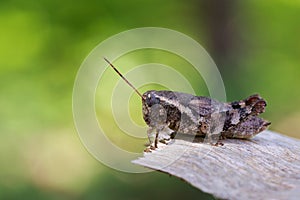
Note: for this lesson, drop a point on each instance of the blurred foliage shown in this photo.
(44, 42)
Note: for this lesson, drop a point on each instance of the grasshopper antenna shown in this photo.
(123, 78)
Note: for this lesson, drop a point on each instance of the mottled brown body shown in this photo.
(166, 112)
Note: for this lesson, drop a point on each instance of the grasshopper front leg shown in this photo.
(156, 138)
(150, 133)
(157, 134)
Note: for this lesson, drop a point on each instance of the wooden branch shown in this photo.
(265, 167)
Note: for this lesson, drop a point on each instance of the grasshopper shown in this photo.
(167, 113)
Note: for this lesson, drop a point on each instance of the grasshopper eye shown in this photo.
(151, 100)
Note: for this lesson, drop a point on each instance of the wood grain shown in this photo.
(265, 167)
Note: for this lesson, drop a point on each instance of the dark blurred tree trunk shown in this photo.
(218, 17)
(221, 24)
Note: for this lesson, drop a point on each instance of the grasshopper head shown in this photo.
(153, 111)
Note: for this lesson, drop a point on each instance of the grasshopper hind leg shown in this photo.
(248, 128)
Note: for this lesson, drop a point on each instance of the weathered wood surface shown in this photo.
(265, 167)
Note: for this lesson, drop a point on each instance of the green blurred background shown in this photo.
(254, 43)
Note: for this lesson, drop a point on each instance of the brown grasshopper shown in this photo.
(168, 112)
